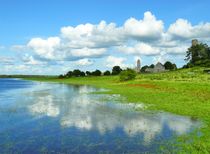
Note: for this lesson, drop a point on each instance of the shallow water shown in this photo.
(56, 118)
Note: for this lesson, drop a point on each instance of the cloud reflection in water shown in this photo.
(75, 107)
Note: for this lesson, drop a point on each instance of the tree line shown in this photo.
(116, 70)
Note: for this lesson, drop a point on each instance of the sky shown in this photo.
(51, 37)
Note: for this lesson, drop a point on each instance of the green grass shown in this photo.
(183, 92)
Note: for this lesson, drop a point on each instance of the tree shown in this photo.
(198, 55)
(88, 73)
(82, 74)
(144, 68)
(76, 73)
(96, 73)
(128, 74)
(116, 70)
(61, 76)
(152, 66)
(69, 74)
(169, 66)
(175, 67)
(107, 73)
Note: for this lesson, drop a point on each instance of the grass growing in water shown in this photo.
(183, 92)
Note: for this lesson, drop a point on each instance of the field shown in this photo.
(183, 92)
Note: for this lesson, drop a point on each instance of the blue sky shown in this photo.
(51, 37)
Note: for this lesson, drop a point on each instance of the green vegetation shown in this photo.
(116, 70)
(169, 66)
(128, 74)
(78, 73)
(198, 55)
(183, 92)
(107, 73)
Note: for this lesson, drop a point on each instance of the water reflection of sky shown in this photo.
(73, 108)
(77, 108)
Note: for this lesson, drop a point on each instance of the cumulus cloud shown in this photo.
(136, 37)
(149, 28)
(116, 61)
(30, 60)
(177, 50)
(162, 58)
(87, 52)
(46, 48)
(185, 30)
(92, 36)
(139, 49)
(84, 62)
(89, 40)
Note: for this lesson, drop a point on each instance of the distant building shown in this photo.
(138, 66)
(157, 68)
(194, 42)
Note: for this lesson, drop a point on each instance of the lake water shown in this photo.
(56, 118)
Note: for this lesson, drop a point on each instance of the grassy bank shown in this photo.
(183, 92)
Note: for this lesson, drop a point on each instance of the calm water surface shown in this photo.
(56, 118)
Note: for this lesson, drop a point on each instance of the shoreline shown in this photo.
(188, 97)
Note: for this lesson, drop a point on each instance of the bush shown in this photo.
(69, 74)
(169, 66)
(76, 73)
(61, 76)
(82, 74)
(88, 73)
(144, 68)
(96, 73)
(107, 73)
(116, 70)
(128, 74)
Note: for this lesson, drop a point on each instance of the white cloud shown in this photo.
(84, 62)
(181, 28)
(162, 58)
(29, 69)
(92, 36)
(184, 29)
(177, 50)
(147, 29)
(136, 37)
(7, 60)
(46, 48)
(89, 40)
(116, 61)
(139, 49)
(30, 60)
(87, 52)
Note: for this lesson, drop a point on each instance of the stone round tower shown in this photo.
(194, 42)
(138, 66)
